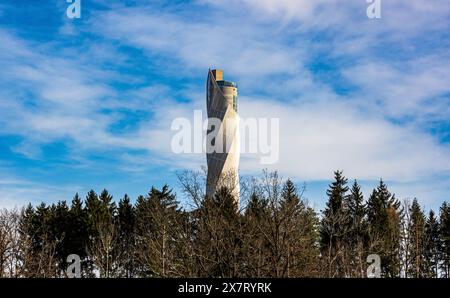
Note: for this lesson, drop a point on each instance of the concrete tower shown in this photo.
(223, 133)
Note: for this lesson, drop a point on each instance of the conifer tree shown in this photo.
(219, 241)
(299, 234)
(357, 231)
(93, 206)
(39, 255)
(254, 241)
(432, 244)
(334, 227)
(103, 232)
(384, 216)
(126, 237)
(416, 236)
(445, 239)
(78, 234)
(256, 206)
(157, 233)
(60, 226)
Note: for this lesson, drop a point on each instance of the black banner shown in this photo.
(223, 287)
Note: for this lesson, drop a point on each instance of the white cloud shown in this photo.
(57, 97)
(243, 49)
(319, 137)
(405, 89)
(397, 15)
(17, 193)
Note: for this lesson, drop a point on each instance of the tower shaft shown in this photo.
(223, 134)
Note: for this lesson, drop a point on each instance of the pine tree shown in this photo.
(290, 232)
(384, 217)
(334, 227)
(445, 239)
(157, 233)
(126, 237)
(311, 243)
(93, 206)
(254, 241)
(256, 207)
(357, 230)
(78, 233)
(60, 226)
(103, 232)
(432, 244)
(40, 252)
(416, 233)
(220, 240)
(298, 233)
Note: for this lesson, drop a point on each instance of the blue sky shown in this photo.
(87, 103)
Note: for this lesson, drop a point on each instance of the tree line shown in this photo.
(274, 232)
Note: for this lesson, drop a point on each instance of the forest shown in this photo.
(273, 232)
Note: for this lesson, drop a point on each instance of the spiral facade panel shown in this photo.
(223, 124)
